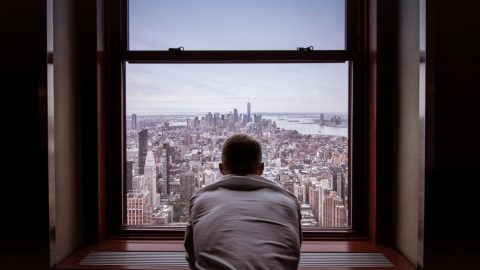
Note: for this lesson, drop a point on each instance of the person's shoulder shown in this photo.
(244, 183)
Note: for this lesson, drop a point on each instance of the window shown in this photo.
(192, 73)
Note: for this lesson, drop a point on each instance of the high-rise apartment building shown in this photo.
(334, 214)
(139, 210)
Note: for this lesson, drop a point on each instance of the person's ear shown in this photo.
(260, 168)
(222, 169)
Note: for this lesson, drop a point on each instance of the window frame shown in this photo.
(118, 54)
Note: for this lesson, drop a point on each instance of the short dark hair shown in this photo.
(241, 154)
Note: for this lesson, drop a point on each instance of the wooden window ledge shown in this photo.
(343, 250)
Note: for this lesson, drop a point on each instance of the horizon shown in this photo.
(245, 25)
(180, 113)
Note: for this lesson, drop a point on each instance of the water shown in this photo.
(305, 125)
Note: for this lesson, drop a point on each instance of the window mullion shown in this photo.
(238, 56)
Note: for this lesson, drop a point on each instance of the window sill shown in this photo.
(73, 261)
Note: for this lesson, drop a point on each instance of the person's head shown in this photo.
(241, 155)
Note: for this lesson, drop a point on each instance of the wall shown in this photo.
(453, 135)
(66, 107)
(407, 155)
(24, 178)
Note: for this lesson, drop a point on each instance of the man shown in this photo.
(243, 221)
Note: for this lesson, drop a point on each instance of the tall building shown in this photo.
(138, 183)
(151, 178)
(257, 118)
(187, 186)
(142, 149)
(165, 161)
(340, 185)
(322, 119)
(248, 111)
(134, 121)
(129, 175)
(235, 115)
(139, 210)
(132, 155)
(340, 216)
(334, 214)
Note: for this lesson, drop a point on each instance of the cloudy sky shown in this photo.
(236, 25)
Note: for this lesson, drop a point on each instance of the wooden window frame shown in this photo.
(112, 111)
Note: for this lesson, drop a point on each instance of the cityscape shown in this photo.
(171, 156)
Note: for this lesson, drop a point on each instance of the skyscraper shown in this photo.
(248, 112)
(134, 121)
(142, 149)
(151, 178)
(187, 186)
(334, 214)
(129, 175)
(165, 160)
(235, 115)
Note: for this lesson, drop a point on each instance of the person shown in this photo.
(243, 221)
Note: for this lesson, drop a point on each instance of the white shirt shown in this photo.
(243, 222)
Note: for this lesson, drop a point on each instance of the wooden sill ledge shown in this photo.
(72, 262)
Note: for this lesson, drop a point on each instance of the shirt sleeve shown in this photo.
(300, 223)
(188, 243)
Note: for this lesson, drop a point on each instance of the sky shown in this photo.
(236, 25)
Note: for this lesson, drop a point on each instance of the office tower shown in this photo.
(333, 214)
(257, 118)
(209, 118)
(187, 186)
(235, 115)
(151, 178)
(165, 161)
(340, 216)
(129, 174)
(322, 119)
(340, 186)
(138, 183)
(248, 111)
(142, 149)
(321, 191)
(134, 121)
(132, 155)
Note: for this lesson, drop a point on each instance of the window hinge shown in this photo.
(179, 49)
(304, 49)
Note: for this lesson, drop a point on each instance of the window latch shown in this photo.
(179, 49)
(305, 49)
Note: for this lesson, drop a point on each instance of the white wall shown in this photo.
(406, 185)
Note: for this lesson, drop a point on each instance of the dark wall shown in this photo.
(24, 174)
(452, 135)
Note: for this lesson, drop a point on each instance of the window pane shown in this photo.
(179, 115)
(236, 25)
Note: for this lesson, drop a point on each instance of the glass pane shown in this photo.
(179, 115)
(236, 25)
